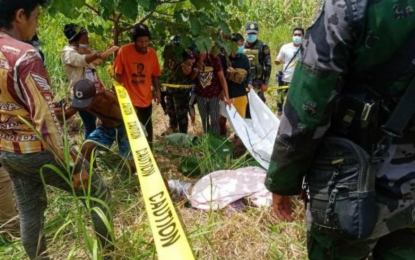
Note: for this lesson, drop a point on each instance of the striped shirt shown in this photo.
(25, 92)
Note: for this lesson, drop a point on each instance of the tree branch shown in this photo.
(96, 11)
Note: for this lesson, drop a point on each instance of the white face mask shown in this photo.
(83, 46)
(297, 39)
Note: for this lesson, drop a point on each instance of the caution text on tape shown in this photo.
(169, 236)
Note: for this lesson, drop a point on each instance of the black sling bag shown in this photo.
(341, 179)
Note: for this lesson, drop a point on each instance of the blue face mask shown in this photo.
(240, 50)
(297, 39)
(252, 38)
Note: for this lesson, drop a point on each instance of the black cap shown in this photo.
(71, 31)
(83, 93)
(236, 37)
(252, 27)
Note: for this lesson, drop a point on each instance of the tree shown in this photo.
(198, 21)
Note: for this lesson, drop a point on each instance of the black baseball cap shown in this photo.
(83, 93)
(72, 31)
(252, 27)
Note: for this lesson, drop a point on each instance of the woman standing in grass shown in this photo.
(210, 84)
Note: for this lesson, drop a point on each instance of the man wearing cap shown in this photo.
(259, 56)
(27, 151)
(77, 66)
(104, 105)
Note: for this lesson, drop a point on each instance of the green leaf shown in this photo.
(146, 4)
(67, 7)
(195, 25)
(224, 27)
(220, 146)
(129, 8)
(199, 4)
(236, 24)
(203, 43)
(181, 140)
(190, 167)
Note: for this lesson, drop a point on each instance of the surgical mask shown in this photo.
(83, 46)
(297, 39)
(240, 50)
(252, 38)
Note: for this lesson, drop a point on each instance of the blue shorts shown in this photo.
(107, 136)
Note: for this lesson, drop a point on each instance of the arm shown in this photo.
(37, 95)
(155, 80)
(280, 57)
(308, 108)
(196, 69)
(73, 58)
(224, 86)
(267, 66)
(249, 75)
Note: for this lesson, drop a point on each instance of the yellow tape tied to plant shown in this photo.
(169, 237)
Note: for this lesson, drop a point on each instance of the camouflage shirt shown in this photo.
(346, 36)
(172, 69)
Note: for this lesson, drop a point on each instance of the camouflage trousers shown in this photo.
(398, 245)
(177, 108)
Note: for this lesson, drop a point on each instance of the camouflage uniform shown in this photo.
(348, 36)
(177, 99)
(262, 72)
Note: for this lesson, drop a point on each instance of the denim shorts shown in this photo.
(107, 136)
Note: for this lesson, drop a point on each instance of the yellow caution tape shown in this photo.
(169, 237)
(277, 88)
(166, 85)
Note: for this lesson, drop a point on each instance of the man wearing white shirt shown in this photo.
(288, 57)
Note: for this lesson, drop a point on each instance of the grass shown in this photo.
(254, 234)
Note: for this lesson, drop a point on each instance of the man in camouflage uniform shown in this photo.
(178, 85)
(259, 56)
(347, 36)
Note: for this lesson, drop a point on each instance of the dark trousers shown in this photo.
(398, 245)
(89, 121)
(177, 108)
(144, 116)
(26, 175)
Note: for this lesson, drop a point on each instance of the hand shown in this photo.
(264, 88)
(227, 101)
(99, 55)
(187, 69)
(250, 86)
(80, 180)
(282, 207)
(59, 113)
(157, 99)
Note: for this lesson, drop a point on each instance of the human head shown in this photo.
(140, 36)
(237, 43)
(83, 93)
(75, 34)
(251, 31)
(298, 34)
(21, 16)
